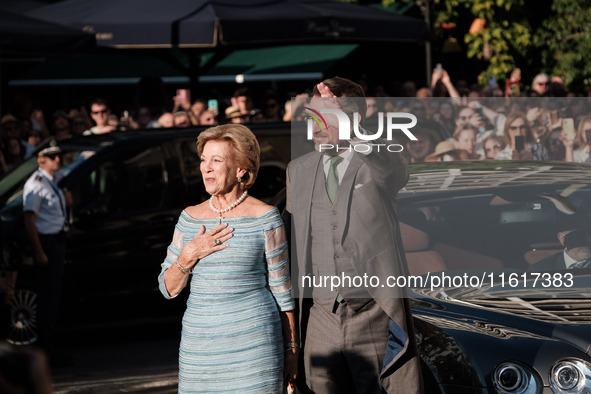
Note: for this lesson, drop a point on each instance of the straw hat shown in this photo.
(233, 112)
(8, 118)
(441, 148)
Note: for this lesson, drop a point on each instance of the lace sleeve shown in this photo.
(277, 256)
(172, 253)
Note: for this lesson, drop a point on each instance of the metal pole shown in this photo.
(424, 5)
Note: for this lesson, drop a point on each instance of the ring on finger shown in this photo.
(217, 242)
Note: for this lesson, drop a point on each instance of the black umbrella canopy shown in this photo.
(22, 35)
(209, 23)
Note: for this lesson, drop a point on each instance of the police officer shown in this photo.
(44, 206)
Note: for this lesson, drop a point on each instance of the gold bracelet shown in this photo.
(183, 270)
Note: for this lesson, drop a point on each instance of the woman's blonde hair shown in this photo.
(245, 150)
(462, 127)
(581, 132)
(512, 117)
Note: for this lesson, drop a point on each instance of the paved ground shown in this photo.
(126, 363)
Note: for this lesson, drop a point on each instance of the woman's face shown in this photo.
(467, 140)
(491, 148)
(517, 127)
(218, 168)
(14, 147)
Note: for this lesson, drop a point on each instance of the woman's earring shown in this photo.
(239, 179)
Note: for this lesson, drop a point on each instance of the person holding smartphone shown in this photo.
(582, 141)
(520, 140)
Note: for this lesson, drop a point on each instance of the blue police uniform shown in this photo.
(43, 197)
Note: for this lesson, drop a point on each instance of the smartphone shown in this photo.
(492, 81)
(213, 103)
(438, 68)
(568, 129)
(519, 143)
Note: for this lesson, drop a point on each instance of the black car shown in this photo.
(504, 321)
(488, 316)
(128, 190)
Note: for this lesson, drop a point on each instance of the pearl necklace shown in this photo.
(229, 207)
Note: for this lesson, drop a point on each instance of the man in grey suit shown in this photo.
(356, 339)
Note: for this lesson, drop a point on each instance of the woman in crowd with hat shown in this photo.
(233, 115)
(446, 151)
(239, 329)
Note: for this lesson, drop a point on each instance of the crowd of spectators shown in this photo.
(457, 121)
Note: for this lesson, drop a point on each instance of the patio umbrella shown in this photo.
(210, 23)
(23, 35)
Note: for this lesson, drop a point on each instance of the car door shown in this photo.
(120, 230)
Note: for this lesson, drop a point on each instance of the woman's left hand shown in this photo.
(290, 368)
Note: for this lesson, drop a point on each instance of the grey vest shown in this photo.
(328, 256)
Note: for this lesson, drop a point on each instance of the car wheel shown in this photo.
(23, 318)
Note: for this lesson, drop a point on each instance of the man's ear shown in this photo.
(561, 236)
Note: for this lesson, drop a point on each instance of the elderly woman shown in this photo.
(520, 140)
(239, 330)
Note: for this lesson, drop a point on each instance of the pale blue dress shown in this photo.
(232, 337)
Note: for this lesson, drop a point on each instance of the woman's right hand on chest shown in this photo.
(206, 243)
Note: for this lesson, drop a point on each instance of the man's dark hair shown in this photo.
(99, 101)
(342, 87)
(243, 91)
(577, 239)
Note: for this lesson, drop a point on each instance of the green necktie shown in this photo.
(332, 179)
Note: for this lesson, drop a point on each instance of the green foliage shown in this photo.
(505, 36)
(565, 38)
(561, 45)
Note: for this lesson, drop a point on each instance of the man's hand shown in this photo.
(324, 90)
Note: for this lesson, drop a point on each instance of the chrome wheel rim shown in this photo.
(23, 318)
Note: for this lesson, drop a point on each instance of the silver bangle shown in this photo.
(291, 345)
(183, 270)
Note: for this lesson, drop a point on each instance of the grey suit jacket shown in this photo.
(368, 238)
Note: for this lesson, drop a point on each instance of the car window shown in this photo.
(11, 187)
(190, 163)
(503, 228)
(135, 181)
